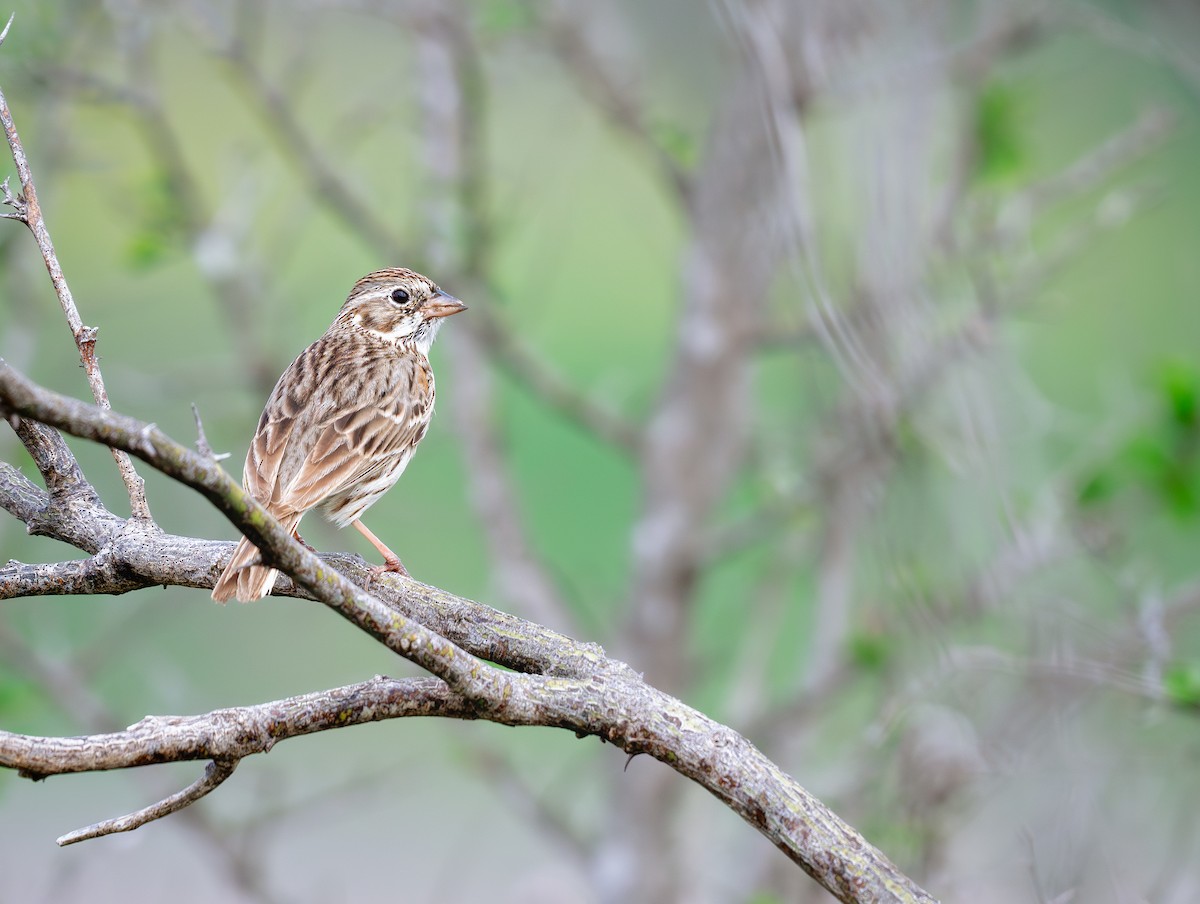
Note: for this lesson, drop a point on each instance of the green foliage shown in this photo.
(1182, 684)
(870, 650)
(1181, 386)
(1161, 459)
(1098, 487)
(998, 139)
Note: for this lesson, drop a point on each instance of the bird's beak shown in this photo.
(443, 305)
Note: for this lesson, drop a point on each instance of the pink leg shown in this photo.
(391, 561)
(302, 541)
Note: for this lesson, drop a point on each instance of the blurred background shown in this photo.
(833, 362)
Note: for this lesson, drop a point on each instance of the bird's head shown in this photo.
(400, 306)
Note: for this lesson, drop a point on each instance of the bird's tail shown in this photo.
(243, 580)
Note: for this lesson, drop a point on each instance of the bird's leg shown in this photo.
(303, 542)
(391, 561)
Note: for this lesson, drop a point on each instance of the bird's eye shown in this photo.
(400, 296)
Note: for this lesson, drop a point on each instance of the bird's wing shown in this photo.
(325, 430)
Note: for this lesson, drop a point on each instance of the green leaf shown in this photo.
(1182, 684)
(870, 650)
(997, 135)
(1147, 454)
(1098, 488)
(1181, 387)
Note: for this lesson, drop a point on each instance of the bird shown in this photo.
(344, 419)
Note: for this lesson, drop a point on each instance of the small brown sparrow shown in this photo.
(345, 418)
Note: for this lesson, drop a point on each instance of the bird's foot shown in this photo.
(390, 564)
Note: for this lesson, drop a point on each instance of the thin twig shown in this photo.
(214, 774)
(1132, 143)
(327, 184)
(599, 82)
(450, 88)
(28, 211)
(512, 786)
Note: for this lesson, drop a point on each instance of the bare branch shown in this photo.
(53, 458)
(1132, 143)
(77, 576)
(18, 495)
(606, 699)
(847, 865)
(230, 734)
(550, 387)
(526, 801)
(279, 548)
(29, 212)
(450, 89)
(214, 774)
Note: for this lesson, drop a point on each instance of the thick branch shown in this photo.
(413, 641)
(230, 734)
(602, 697)
(620, 709)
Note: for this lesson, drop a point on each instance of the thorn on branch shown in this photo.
(146, 438)
(17, 202)
(202, 445)
(4, 34)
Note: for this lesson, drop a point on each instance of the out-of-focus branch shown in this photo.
(328, 185)
(539, 812)
(1113, 31)
(451, 93)
(696, 437)
(601, 83)
(552, 388)
(1127, 146)
(519, 574)
(332, 190)
(27, 210)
